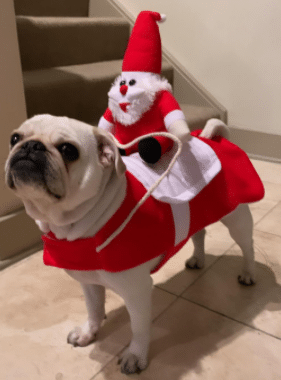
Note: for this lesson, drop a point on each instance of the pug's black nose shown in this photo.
(33, 146)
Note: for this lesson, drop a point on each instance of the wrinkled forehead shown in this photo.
(57, 129)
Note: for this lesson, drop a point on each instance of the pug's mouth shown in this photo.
(27, 171)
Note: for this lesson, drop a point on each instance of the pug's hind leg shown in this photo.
(197, 260)
(95, 299)
(240, 225)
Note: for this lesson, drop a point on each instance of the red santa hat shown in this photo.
(144, 51)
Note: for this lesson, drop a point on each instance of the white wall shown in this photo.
(233, 48)
(12, 103)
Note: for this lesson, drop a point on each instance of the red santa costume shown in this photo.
(218, 176)
(140, 102)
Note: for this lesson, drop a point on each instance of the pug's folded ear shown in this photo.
(108, 152)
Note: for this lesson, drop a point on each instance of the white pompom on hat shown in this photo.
(144, 51)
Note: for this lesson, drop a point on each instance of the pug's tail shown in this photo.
(215, 127)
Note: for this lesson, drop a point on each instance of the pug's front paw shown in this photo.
(131, 363)
(195, 263)
(82, 336)
(246, 279)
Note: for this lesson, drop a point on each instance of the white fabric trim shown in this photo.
(176, 178)
(196, 166)
(105, 125)
(173, 116)
(152, 187)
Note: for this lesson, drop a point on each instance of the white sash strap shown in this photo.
(151, 189)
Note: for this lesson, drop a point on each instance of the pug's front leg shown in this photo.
(95, 299)
(138, 302)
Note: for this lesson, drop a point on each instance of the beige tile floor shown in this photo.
(205, 325)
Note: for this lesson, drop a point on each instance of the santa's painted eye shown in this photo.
(122, 82)
(132, 82)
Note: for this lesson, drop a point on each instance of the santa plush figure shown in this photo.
(140, 100)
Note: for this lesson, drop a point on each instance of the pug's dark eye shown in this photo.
(122, 82)
(132, 82)
(68, 152)
(15, 138)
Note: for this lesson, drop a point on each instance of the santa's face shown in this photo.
(133, 93)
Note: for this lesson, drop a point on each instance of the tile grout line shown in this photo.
(195, 303)
(205, 271)
(165, 290)
(168, 307)
(180, 296)
(232, 246)
(152, 321)
(268, 212)
(196, 279)
(209, 267)
(228, 249)
(232, 319)
(164, 311)
(109, 362)
(266, 232)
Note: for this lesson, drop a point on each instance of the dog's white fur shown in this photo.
(91, 189)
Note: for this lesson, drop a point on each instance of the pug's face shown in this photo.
(59, 161)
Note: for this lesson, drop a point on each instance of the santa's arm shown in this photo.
(106, 122)
(180, 129)
(174, 118)
(176, 124)
(151, 154)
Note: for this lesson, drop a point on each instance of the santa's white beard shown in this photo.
(135, 111)
(141, 97)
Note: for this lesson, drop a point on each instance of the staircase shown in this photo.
(70, 60)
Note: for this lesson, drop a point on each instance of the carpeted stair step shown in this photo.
(47, 42)
(78, 91)
(70, 8)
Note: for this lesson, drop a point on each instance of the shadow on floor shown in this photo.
(232, 301)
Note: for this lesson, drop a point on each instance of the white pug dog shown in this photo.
(72, 180)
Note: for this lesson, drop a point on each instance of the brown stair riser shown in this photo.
(70, 8)
(52, 42)
(61, 93)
